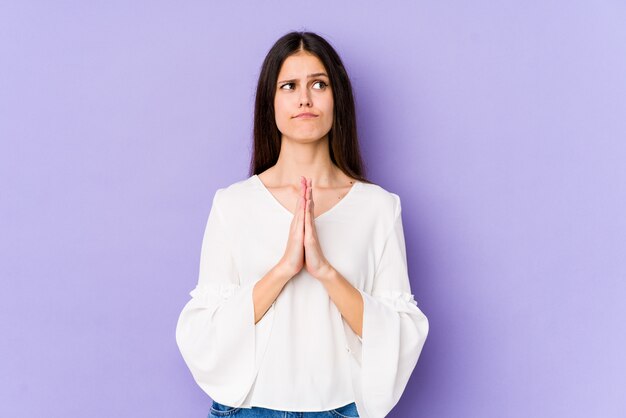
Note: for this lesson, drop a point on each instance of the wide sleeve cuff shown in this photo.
(393, 334)
(220, 342)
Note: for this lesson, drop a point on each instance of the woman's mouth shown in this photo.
(306, 116)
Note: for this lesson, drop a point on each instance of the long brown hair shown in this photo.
(343, 142)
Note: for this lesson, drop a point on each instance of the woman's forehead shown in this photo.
(299, 65)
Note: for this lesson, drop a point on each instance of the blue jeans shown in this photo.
(219, 410)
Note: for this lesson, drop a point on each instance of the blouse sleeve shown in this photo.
(215, 332)
(393, 333)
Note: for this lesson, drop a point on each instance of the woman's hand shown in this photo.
(293, 259)
(315, 262)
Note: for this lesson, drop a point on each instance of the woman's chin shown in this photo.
(306, 137)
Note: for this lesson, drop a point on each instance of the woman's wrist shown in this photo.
(326, 272)
(284, 270)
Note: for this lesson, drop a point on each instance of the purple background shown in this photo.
(500, 124)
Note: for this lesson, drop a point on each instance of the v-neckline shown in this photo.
(287, 211)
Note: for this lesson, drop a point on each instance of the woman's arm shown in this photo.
(268, 288)
(346, 297)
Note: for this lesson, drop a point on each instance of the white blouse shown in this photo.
(302, 355)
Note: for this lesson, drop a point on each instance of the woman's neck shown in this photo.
(311, 160)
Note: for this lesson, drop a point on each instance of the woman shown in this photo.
(303, 305)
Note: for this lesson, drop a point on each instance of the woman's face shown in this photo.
(303, 86)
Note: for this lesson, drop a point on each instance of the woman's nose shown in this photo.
(305, 99)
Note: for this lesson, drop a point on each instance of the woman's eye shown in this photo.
(323, 85)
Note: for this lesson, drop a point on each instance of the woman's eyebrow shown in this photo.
(309, 76)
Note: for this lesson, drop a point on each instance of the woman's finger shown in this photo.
(301, 204)
(302, 186)
(308, 215)
(296, 222)
(310, 198)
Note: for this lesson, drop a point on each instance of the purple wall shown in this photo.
(501, 125)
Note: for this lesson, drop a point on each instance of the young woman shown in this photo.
(303, 305)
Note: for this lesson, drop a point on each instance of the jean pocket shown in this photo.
(221, 410)
(346, 411)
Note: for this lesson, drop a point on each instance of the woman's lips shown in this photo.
(306, 116)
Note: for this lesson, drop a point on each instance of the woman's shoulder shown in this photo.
(379, 198)
(236, 192)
